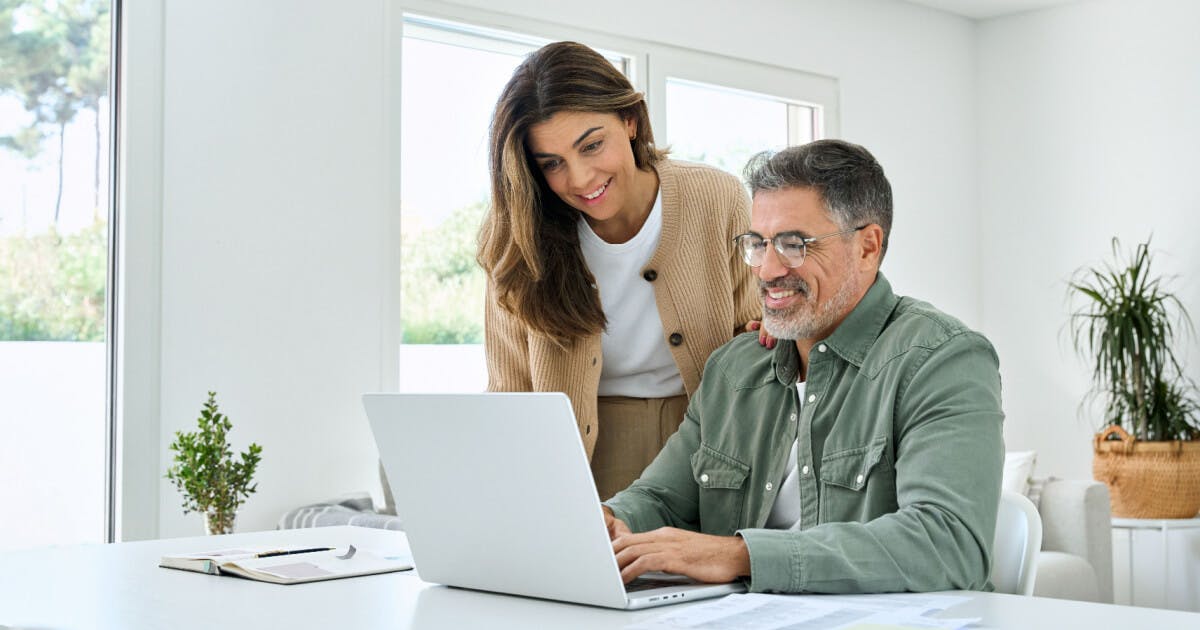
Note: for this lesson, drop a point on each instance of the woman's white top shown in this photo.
(785, 513)
(637, 361)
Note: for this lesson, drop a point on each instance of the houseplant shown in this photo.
(1149, 454)
(207, 475)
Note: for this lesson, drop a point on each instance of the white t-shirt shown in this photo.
(785, 513)
(637, 362)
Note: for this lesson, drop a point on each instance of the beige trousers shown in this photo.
(631, 433)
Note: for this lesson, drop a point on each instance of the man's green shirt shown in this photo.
(899, 452)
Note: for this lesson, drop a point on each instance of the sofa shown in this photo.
(1076, 560)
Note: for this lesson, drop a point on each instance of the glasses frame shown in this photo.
(805, 241)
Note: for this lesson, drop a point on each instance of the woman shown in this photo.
(611, 271)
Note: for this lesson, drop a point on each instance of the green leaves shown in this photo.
(52, 286)
(205, 472)
(441, 286)
(1127, 326)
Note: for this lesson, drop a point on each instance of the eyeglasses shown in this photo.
(791, 246)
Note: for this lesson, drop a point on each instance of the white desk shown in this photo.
(121, 586)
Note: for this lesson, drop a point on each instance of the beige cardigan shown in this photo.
(705, 295)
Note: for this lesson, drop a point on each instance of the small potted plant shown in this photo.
(1149, 452)
(207, 475)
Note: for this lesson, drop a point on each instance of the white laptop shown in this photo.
(496, 494)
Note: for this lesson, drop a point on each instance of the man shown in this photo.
(863, 456)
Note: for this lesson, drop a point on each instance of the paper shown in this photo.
(756, 611)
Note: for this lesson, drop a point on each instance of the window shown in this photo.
(54, 237)
(721, 111)
(444, 190)
(763, 122)
(706, 108)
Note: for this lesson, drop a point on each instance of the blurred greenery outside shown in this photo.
(52, 285)
(54, 61)
(441, 286)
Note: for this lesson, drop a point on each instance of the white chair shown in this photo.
(1017, 542)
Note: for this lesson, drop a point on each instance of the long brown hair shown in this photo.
(529, 245)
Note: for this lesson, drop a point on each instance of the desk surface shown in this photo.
(121, 586)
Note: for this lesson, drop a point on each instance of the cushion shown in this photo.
(1018, 469)
(1065, 576)
(356, 509)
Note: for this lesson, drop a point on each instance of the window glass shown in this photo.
(723, 127)
(54, 209)
(452, 75)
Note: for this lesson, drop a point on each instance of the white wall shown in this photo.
(274, 220)
(1088, 129)
(275, 188)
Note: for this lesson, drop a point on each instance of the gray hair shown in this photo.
(848, 178)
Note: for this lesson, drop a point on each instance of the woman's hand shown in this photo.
(764, 339)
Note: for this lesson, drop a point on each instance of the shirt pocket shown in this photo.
(721, 480)
(858, 484)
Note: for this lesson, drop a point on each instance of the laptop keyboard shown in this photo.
(645, 584)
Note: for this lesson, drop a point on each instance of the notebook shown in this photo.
(496, 494)
(286, 565)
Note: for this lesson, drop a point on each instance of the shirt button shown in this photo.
(676, 339)
(812, 397)
(650, 275)
(792, 418)
(769, 486)
(859, 479)
(704, 478)
(804, 471)
(821, 348)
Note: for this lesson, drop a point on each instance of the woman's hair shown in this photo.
(528, 244)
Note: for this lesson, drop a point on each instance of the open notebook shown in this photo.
(287, 565)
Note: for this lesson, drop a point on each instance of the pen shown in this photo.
(269, 554)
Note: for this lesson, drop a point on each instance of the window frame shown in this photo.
(650, 63)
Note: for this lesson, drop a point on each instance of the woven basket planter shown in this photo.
(1148, 479)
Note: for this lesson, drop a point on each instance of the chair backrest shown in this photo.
(1018, 539)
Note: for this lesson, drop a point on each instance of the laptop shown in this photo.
(496, 494)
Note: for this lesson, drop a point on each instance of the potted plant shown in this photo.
(207, 475)
(1149, 453)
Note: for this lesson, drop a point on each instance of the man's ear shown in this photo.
(871, 252)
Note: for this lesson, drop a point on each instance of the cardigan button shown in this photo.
(676, 339)
(650, 275)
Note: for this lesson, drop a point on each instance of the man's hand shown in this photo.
(701, 557)
(616, 527)
(764, 339)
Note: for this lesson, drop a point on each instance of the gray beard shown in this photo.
(804, 320)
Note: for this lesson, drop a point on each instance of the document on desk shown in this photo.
(757, 611)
